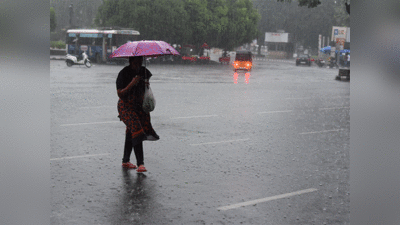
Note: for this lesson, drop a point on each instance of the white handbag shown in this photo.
(149, 102)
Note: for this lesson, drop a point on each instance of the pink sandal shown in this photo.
(129, 165)
(141, 169)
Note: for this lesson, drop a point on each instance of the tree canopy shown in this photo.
(53, 22)
(309, 3)
(220, 23)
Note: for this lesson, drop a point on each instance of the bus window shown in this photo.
(98, 41)
(70, 40)
(85, 41)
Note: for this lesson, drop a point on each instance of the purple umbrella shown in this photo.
(144, 48)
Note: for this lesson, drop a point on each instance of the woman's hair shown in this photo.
(134, 58)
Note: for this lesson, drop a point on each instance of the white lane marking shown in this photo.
(340, 97)
(190, 117)
(317, 98)
(334, 108)
(77, 124)
(169, 104)
(296, 98)
(80, 156)
(275, 111)
(219, 142)
(267, 199)
(103, 106)
(323, 131)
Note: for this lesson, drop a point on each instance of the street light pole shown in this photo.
(70, 15)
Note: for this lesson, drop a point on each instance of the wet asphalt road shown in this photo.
(279, 130)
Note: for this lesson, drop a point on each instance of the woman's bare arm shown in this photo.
(122, 93)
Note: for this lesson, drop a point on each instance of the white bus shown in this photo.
(98, 43)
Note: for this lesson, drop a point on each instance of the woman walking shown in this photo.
(131, 83)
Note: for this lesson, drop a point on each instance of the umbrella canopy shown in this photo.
(326, 49)
(345, 51)
(144, 48)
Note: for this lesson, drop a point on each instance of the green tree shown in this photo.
(309, 3)
(342, 17)
(242, 24)
(220, 23)
(53, 22)
(198, 21)
(217, 22)
(158, 19)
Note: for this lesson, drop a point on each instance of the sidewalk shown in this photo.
(57, 57)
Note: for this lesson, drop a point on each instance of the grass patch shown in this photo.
(57, 44)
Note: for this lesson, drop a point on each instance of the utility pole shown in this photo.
(319, 45)
(71, 13)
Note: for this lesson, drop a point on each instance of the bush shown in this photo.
(57, 44)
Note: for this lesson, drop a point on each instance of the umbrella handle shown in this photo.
(145, 70)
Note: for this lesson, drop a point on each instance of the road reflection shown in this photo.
(135, 201)
(246, 77)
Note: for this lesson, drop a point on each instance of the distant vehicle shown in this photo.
(320, 62)
(225, 59)
(243, 61)
(332, 62)
(343, 73)
(81, 59)
(98, 43)
(303, 59)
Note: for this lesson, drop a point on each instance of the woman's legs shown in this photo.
(128, 146)
(138, 148)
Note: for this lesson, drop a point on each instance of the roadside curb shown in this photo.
(57, 57)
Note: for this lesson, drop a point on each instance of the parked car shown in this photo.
(243, 61)
(303, 59)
